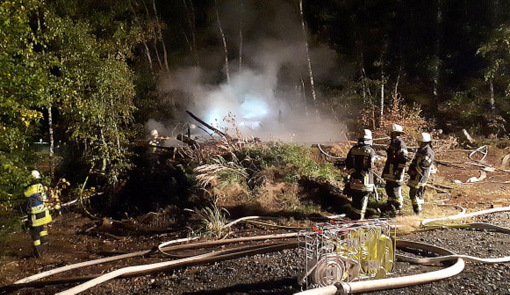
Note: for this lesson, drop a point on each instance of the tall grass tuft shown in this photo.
(213, 220)
(220, 171)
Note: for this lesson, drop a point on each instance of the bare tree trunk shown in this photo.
(383, 83)
(190, 46)
(225, 48)
(103, 167)
(157, 52)
(437, 59)
(52, 142)
(494, 22)
(303, 93)
(144, 42)
(160, 36)
(148, 54)
(307, 51)
(190, 15)
(492, 101)
(381, 115)
(155, 42)
(240, 35)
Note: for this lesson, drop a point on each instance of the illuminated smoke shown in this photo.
(265, 96)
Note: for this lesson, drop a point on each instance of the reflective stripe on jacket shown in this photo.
(37, 198)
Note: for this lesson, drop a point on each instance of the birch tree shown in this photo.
(223, 39)
(307, 52)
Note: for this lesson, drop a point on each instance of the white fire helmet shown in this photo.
(35, 174)
(154, 133)
(425, 137)
(397, 128)
(367, 134)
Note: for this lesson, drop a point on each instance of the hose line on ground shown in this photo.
(149, 268)
(391, 283)
(399, 282)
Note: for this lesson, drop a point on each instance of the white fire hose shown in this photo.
(423, 278)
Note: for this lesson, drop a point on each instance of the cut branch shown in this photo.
(208, 126)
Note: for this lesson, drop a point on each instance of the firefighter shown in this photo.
(360, 183)
(393, 171)
(419, 172)
(39, 214)
(155, 139)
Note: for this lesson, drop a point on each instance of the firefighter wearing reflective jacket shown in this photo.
(39, 215)
(359, 162)
(419, 172)
(393, 171)
(155, 140)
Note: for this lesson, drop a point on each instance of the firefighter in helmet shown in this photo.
(393, 172)
(155, 139)
(419, 172)
(39, 214)
(359, 163)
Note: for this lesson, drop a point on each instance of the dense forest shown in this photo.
(83, 80)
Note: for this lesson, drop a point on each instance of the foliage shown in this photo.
(72, 56)
(94, 88)
(22, 85)
(497, 52)
(292, 160)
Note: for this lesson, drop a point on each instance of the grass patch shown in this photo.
(292, 160)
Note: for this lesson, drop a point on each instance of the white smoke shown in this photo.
(265, 98)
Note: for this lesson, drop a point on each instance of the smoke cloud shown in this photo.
(265, 96)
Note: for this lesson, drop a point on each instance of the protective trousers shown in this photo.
(359, 203)
(39, 235)
(394, 192)
(417, 198)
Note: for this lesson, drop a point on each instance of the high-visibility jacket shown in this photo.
(37, 198)
(419, 170)
(359, 162)
(396, 161)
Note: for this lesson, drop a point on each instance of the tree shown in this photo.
(497, 52)
(94, 87)
(22, 91)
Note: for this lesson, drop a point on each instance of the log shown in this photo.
(437, 189)
(207, 125)
(187, 140)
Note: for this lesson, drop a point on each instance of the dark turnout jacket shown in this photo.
(359, 162)
(419, 170)
(396, 161)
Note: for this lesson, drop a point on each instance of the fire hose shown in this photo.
(352, 287)
(150, 268)
(399, 282)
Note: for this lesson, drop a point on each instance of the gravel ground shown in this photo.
(276, 273)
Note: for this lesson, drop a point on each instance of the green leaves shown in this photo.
(71, 56)
(497, 52)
